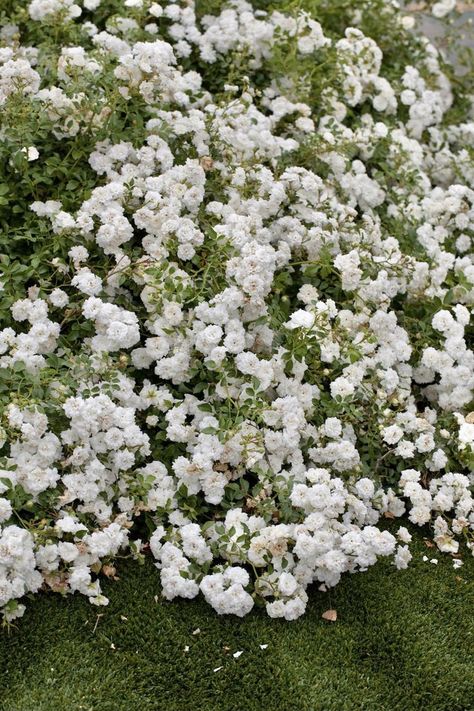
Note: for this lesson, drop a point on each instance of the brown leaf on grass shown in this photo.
(389, 514)
(330, 615)
(109, 570)
(428, 544)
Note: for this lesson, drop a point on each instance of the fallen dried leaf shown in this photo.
(428, 544)
(330, 615)
(389, 514)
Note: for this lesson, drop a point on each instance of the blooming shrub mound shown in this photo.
(236, 289)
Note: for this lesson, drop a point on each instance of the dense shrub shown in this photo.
(237, 276)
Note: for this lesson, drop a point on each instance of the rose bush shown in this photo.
(237, 278)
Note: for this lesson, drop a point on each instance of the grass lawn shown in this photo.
(403, 641)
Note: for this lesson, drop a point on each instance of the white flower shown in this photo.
(300, 319)
(59, 298)
(87, 282)
(31, 153)
(440, 9)
(341, 387)
(392, 434)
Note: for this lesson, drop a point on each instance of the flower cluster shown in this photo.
(238, 299)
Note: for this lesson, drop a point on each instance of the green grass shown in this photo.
(403, 641)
